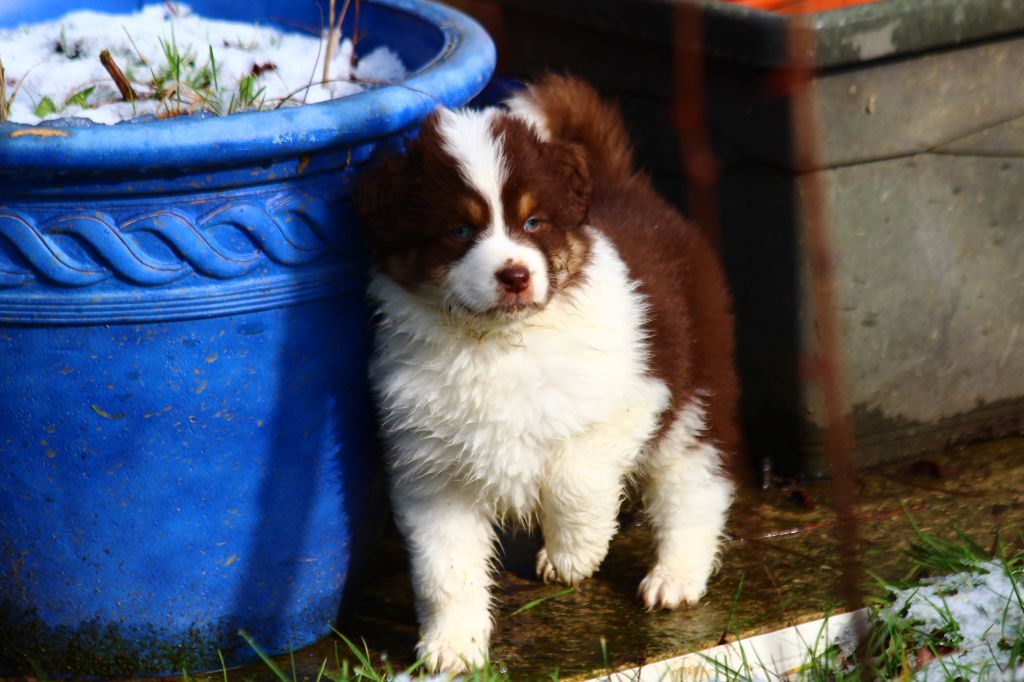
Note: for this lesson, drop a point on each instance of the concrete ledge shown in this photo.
(771, 656)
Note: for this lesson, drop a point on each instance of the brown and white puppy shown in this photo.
(548, 328)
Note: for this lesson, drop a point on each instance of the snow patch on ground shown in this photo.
(59, 59)
(980, 614)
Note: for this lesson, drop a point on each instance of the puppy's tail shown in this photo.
(570, 110)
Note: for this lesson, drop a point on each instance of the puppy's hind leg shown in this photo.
(451, 544)
(687, 499)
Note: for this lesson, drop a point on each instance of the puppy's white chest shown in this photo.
(535, 389)
(492, 410)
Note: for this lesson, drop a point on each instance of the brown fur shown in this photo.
(409, 205)
(691, 321)
(555, 178)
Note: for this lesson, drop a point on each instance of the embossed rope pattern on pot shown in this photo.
(51, 249)
(138, 261)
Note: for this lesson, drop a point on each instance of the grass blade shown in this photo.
(537, 602)
(264, 657)
(320, 675)
(223, 665)
(361, 656)
(80, 98)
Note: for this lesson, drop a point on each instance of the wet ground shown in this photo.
(782, 550)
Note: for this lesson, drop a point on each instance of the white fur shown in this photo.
(687, 498)
(469, 139)
(543, 415)
(525, 108)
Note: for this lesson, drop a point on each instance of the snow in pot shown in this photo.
(165, 60)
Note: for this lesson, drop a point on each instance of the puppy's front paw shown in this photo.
(565, 569)
(664, 588)
(451, 655)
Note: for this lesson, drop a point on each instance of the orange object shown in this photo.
(799, 6)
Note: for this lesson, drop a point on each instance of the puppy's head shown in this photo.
(480, 216)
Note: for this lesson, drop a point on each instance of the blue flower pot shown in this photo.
(186, 443)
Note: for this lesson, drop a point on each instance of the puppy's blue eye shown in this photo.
(532, 224)
(462, 233)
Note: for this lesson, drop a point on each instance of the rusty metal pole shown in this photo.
(690, 121)
(811, 200)
(689, 117)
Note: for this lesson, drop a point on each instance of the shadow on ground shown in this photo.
(781, 548)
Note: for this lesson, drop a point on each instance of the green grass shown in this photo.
(354, 663)
(183, 83)
(530, 605)
(80, 98)
(364, 669)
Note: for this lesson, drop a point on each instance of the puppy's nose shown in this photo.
(515, 278)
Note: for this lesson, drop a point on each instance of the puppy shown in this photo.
(548, 328)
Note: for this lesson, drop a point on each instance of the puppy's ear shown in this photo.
(381, 197)
(569, 162)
